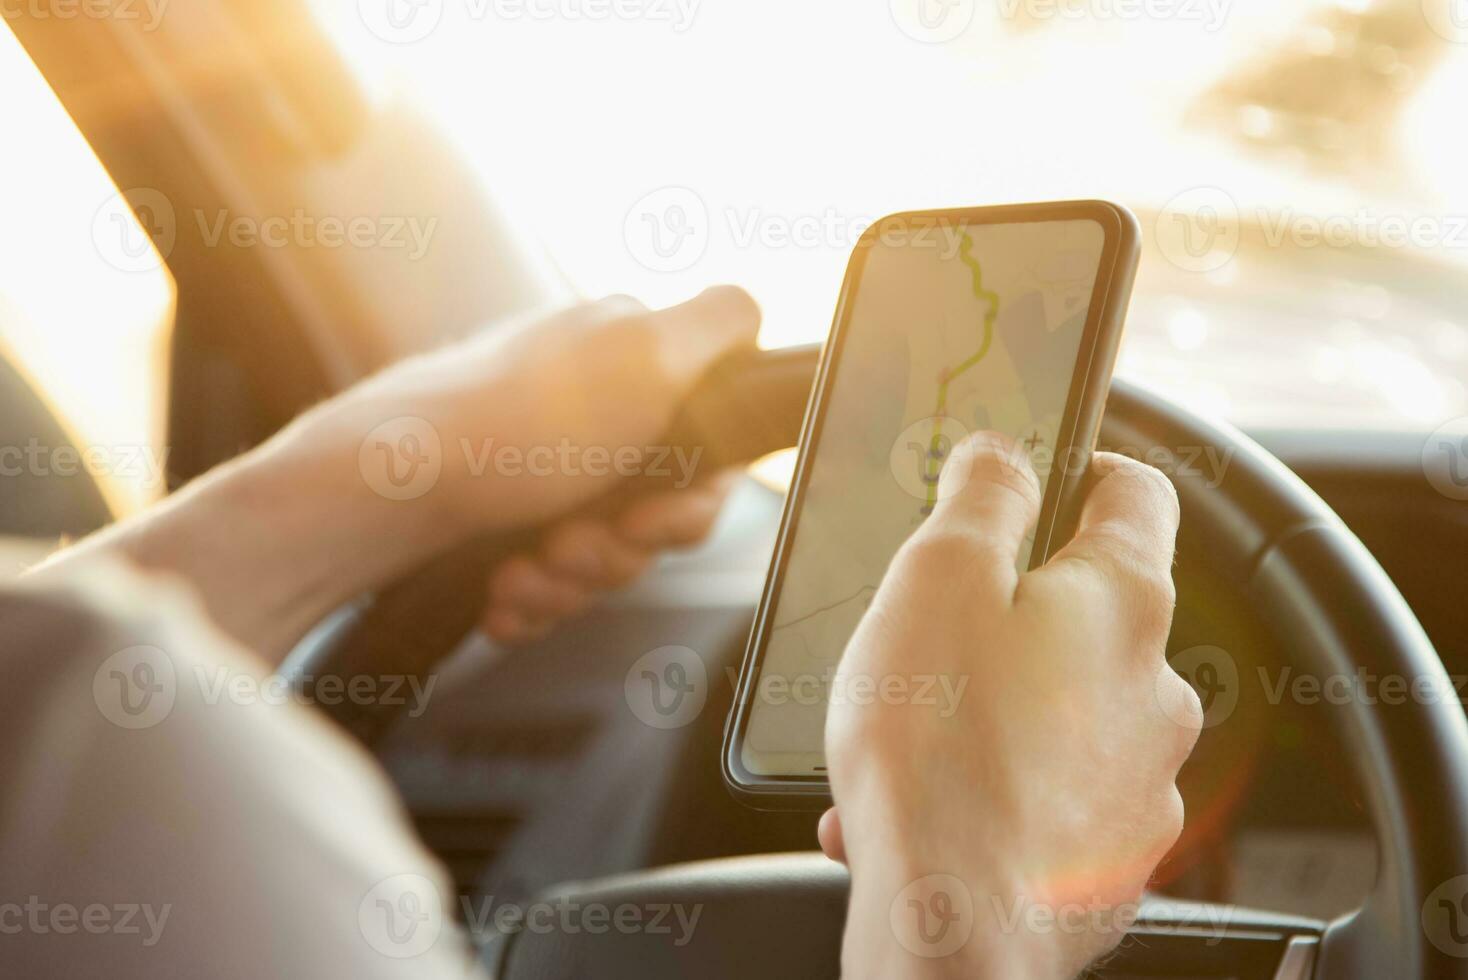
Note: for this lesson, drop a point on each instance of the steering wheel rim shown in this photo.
(1313, 581)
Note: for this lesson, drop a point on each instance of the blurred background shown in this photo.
(1300, 168)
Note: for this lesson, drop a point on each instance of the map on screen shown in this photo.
(950, 331)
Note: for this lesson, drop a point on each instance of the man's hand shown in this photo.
(1013, 838)
(585, 555)
(518, 426)
(535, 419)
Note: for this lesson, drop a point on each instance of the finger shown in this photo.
(988, 496)
(828, 832)
(525, 584)
(1128, 525)
(675, 518)
(590, 552)
(695, 334)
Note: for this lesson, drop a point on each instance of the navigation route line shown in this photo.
(934, 463)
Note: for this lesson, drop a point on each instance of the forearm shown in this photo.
(275, 540)
(368, 485)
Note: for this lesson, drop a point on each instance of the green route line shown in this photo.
(948, 376)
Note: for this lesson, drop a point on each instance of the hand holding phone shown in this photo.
(999, 319)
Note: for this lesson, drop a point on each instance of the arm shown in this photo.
(375, 481)
(1013, 838)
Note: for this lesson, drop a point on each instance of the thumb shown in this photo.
(695, 334)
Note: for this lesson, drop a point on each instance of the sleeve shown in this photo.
(170, 809)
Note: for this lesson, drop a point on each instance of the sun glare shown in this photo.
(90, 336)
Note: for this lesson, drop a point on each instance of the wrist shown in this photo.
(912, 921)
(275, 540)
(928, 900)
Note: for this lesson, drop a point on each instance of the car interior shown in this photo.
(1306, 393)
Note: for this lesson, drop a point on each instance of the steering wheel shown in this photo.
(1262, 535)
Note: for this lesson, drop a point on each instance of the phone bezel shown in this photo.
(1085, 404)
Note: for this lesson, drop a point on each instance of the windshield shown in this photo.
(1300, 168)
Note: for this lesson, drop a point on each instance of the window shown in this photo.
(1313, 151)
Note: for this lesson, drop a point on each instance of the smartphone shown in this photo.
(999, 318)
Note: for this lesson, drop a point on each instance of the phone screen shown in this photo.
(945, 330)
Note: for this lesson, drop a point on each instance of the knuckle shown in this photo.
(1184, 709)
(1171, 818)
(1149, 484)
